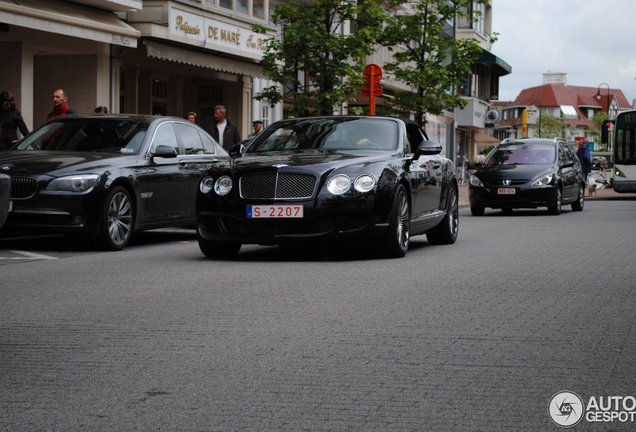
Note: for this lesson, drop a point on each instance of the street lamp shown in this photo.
(535, 103)
(598, 96)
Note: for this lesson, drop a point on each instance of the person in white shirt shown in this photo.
(224, 131)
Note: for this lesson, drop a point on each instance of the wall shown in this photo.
(73, 73)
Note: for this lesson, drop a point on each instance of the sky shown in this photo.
(592, 41)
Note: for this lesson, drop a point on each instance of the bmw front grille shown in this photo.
(23, 187)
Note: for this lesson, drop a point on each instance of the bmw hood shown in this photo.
(27, 162)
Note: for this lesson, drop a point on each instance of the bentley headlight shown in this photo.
(339, 184)
(76, 183)
(364, 183)
(223, 186)
(543, 180)
(206, 184)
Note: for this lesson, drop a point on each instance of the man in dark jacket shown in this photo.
(224, 131)
(60, 105)
(10, 121)
(584, 157)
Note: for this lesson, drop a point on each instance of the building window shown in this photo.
(568, 111)
(253, 8)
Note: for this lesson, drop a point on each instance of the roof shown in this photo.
(556, 95)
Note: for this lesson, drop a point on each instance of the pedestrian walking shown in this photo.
(60, 105)
(10, 121)
(257, 126)
(224, 131)
(583, 154)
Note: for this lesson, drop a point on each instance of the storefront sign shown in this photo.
(216, 35)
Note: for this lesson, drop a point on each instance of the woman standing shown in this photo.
(10, 121)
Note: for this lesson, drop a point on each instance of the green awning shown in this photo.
(499, 66)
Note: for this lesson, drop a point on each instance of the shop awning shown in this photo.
(70, 20)
(481, 138)
(499, 66)
(202, 59)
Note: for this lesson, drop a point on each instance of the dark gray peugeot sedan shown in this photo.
(108, 176)
(528, 173)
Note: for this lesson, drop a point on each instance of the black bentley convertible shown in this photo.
(328, 180)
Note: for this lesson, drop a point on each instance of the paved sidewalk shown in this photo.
(602, 194)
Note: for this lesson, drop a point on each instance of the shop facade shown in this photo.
(46, 45)
(159, 57)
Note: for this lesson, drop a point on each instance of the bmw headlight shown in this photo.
(223, 186)
(76, 183)
(206, 185)
(474, 181)
(339, 184)
(543, 180)
(364, 183)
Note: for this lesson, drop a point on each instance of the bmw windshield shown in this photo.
(107, 135)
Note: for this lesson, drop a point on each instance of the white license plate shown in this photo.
(274, 211)
(506, 191)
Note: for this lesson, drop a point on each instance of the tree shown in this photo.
(594, 132)
(552, 126)
(318, 66)
(426, 56)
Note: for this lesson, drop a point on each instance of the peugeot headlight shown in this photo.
(474, 181)
(339, 184)
(543, 180)
(75, 183)
(223, 186)
(206, 184)
(364, 183)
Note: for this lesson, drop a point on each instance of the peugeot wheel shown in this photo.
(555, 208)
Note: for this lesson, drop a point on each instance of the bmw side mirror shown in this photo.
(164, 151)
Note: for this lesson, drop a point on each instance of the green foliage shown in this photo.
(311, 45)
(426, 58)
(552, 127)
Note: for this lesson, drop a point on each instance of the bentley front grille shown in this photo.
(277, 185)
(23, 187)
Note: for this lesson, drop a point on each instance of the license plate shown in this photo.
(274, 211)
(506, 191)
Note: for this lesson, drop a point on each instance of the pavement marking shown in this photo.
(27, 255)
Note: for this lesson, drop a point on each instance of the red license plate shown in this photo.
(506, 191)
(280, 211)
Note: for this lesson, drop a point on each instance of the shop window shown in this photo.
(210, 94)
(159, 97)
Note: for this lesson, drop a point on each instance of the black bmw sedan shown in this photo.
(108, 176)
(528, 173)
(328, 180)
